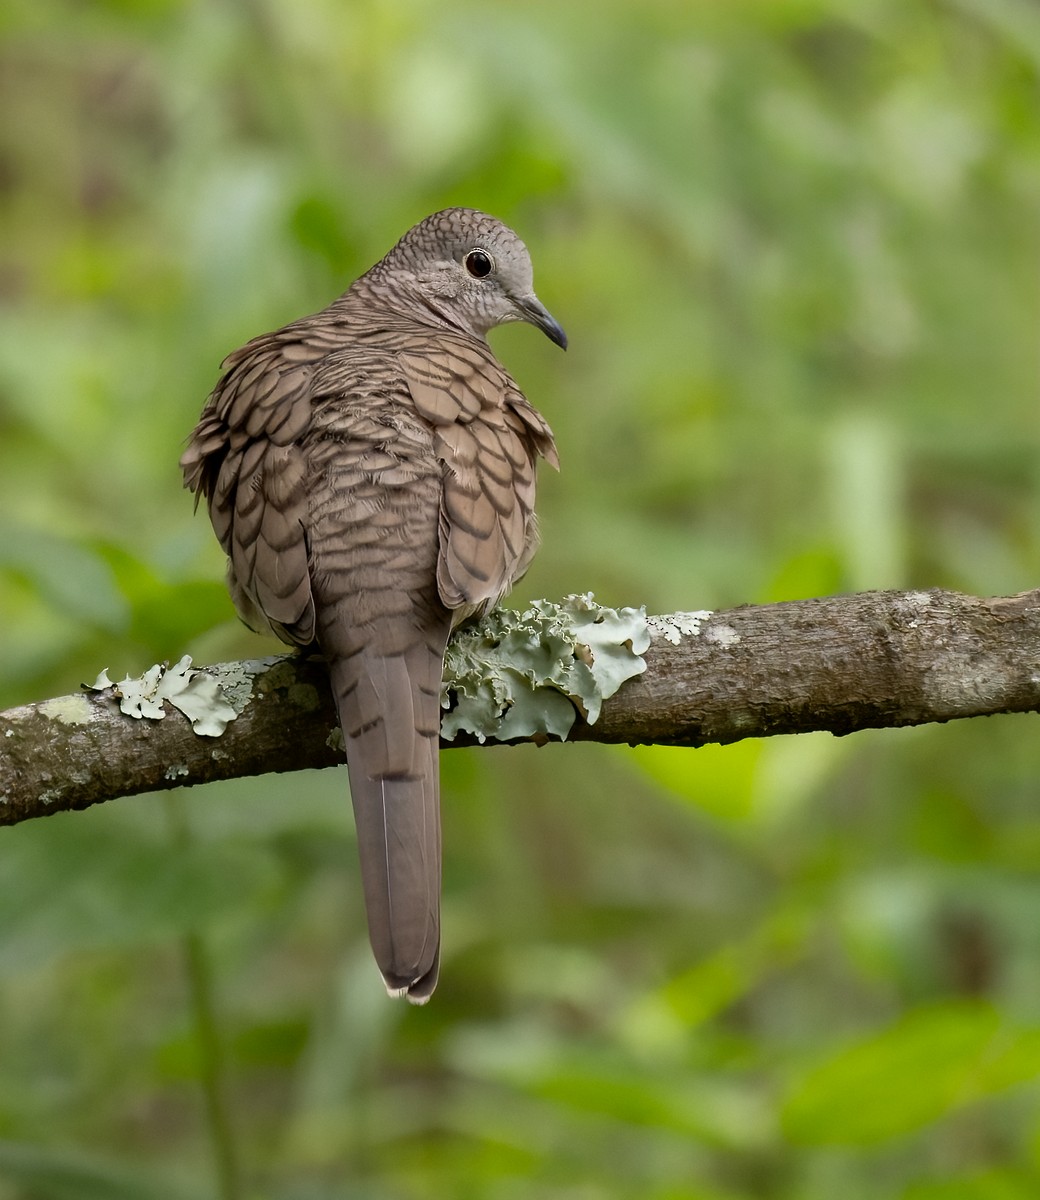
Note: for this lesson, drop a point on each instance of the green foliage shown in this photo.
(64, 1176)
(794, 245)
(953, 1054)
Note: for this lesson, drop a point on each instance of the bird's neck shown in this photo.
(372, 293)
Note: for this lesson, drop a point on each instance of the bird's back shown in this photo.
(370, 472)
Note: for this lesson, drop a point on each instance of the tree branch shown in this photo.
(874, 660)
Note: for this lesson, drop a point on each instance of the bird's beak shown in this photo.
(534, 311)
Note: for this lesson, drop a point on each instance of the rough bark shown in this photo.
(840, 664)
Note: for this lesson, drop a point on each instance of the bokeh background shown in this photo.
(795, 246)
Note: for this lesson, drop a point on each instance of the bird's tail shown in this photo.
(389, 709)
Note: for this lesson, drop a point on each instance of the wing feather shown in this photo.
(488, 438)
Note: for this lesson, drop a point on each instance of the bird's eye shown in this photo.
(479, 263)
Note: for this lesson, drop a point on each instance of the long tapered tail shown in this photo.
(389, 707)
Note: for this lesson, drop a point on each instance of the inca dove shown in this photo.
(370, 472)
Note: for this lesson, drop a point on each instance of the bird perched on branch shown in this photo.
(370, 473)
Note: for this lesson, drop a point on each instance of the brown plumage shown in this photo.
(370, 472)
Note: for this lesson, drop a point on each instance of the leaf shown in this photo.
(983, 1185)
(930, 1063)
(71, 577)
(54, 1174)
(79, 882)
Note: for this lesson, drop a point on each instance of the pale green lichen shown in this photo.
(528, 674)
(69, 710)
(197, 695)
(675, 626)
(512, 675)
(722, 635)
(236, 683)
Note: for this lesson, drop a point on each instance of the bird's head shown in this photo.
(469, 270)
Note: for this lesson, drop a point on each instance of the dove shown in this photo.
(370, 473)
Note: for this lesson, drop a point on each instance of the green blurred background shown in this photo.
(795, 246)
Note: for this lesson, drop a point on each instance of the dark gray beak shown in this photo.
(534, 311)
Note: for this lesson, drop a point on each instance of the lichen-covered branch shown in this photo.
(874, 660)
